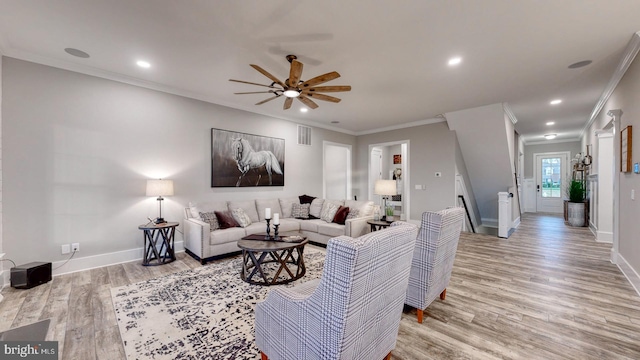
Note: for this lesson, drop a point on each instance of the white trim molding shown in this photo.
(630, 273)
(489, 222)
(400, 126)
(509, 112)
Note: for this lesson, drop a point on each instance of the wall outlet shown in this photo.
(418, 187)
(438, 174)
(66, 249)
(75, 247)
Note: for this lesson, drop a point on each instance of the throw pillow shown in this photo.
(354, 213)
(306, 199)
(210, 217)
(195, 211)
(225, 220)
(300, 211)
(241, 217)
(341, 215)
(316, 208)
(329, 212)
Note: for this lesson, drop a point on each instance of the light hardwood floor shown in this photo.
(548, 292)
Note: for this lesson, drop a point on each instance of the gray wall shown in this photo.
(529, 150)
(79, 149)
(431, 149)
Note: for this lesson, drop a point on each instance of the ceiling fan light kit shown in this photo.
(295, 88)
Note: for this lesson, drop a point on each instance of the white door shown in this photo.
(375, 173)
(551, 181)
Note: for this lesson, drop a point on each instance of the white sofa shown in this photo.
(204, 245)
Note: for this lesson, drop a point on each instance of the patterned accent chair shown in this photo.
(352, 312)
(433, 257)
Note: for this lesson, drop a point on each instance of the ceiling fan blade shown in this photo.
(287, 103)
(295, 73)
(319, 79)
(265, 73)
(337, 88)
(269, 99)
(323, 97)
(250, 83)
(307, 102)
(254, 92)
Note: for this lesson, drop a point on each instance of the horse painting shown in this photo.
(247, 159)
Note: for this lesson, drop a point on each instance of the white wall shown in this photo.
(336, 174)
(1, 230)
(79, 149)
(431, 149)
(573, 146)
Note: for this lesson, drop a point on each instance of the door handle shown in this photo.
(538, 187)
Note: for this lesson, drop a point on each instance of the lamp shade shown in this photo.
(385, 187)
(159, 187)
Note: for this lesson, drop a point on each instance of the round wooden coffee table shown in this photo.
(271, 262)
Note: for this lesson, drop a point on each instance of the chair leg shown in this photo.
(388, 357)
(443, 294)
(263, 356)
(419, 316)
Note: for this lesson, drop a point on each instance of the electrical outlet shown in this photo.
(75, 247)
(66, 249)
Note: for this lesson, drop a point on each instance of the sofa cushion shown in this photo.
(249, 207)
(316, 208)
(225, 219)
(286, 205)
(273, 204)
(300, 211)
(365, 207)
(256, 228)
(211, 219)
(226, 235)
(288, 225)
(241, 217)
(341, 215)
(331, 229)
(329, 211)
(311, 225)
(205, 207)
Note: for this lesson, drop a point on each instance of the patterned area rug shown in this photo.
(205, 313)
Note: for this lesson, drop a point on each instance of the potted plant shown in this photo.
(575, 207)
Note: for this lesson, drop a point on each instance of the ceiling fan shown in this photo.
(294, 87)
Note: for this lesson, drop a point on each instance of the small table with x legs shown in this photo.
(378, 224)
(158, 235)
(272, 262)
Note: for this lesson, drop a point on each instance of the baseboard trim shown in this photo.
(604, 236)
(96, 261)
(490, 223)
(629, 272)
(515, 223)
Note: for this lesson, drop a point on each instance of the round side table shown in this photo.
(377, 224)
(158, 243)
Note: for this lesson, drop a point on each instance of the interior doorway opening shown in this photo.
(390, 161)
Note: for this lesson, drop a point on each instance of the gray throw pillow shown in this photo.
(329, 212)
(241, 217)
(353, 214)
(300, 211)
(210, 217)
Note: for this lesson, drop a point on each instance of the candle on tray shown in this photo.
(276, 219)
(267, 213)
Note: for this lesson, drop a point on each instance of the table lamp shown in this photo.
(385, 188)
(160, 188)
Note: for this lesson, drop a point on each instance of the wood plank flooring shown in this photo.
(547, 292)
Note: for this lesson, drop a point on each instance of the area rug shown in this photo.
(204, 313)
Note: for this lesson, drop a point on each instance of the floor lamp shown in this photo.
(385, 188)
(160, 188)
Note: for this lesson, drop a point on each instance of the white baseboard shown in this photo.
(95, 261)
(629, 272)
(515, 223)
(491, 223)
(604, 236)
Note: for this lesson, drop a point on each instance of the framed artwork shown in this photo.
(625, 149)
(397, 159)
(240, 160)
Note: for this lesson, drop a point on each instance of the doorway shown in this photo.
(551, 181)
(390, 161)
(336, 177)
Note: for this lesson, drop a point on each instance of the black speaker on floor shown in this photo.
(29, 275)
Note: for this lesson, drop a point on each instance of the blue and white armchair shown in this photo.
(352, 312)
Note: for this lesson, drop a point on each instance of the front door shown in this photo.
(551, 175)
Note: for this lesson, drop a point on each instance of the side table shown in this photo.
(161, 235)
(377, 224)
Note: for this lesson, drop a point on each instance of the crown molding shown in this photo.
(628, 56)
(509, 112)
(547, 142)
(402, 126)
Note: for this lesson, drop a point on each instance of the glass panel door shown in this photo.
(551, 177)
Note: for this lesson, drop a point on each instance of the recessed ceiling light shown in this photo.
(550, 136)
(76, 53)
(335, 122)
(550, 123)
(580, 64)
(143, 64)
(455, 61)
(555, 102)
(304, 109)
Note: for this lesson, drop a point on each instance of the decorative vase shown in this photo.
(575, 214)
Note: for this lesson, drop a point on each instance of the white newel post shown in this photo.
(504, 214)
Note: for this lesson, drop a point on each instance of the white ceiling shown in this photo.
(393, 54)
